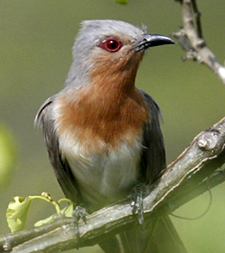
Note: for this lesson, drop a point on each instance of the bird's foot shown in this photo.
(137, 195)
(78, 213)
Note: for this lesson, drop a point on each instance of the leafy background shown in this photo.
(35, 50)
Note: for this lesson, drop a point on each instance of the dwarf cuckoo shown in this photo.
(102, 133)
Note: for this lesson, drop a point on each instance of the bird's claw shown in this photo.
(137, 201)
(78, 213)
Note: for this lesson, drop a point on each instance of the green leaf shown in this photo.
(67, 212)
(47, 220)
(16, 213)
(121, 1)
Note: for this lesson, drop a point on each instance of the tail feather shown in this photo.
(165, 238)
(111, 245)
(158, 235)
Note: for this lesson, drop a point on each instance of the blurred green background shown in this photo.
(35, 50)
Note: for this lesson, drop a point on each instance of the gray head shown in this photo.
(98, 41)
(93, 31)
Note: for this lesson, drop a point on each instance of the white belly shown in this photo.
(106, 176)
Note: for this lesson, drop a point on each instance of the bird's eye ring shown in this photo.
(111, 44)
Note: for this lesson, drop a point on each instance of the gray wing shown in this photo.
(153, 159)
(158, 233)
(61, 167)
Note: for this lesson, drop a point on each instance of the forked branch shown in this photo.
(190, 37)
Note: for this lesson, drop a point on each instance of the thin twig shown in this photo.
(197, 15)
(192, 34)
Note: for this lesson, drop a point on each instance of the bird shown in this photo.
(103, 134)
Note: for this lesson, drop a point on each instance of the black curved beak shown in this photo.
(152, 40)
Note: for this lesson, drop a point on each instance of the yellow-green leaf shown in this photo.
(18, 210)
(66, 211)
(16, 213)
(46, 221)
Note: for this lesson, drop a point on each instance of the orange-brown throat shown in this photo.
(110, 110)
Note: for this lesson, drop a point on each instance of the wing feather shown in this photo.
(153, 159)
(44, 118)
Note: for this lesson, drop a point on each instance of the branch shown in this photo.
(191, 39)
(191, 174)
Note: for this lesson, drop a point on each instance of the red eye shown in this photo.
(111, 44)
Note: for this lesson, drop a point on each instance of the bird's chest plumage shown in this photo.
(103, 177)
(102, 145)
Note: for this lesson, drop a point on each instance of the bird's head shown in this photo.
(110, 49)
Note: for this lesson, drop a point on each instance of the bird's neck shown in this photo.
(110, 110)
